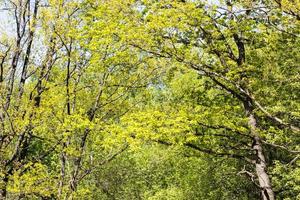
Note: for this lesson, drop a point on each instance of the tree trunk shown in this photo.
(260, 162)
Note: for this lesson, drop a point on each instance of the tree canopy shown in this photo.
(146, 99)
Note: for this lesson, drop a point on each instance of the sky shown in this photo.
(5, 22)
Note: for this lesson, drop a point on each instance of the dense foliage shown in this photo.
(147, 99)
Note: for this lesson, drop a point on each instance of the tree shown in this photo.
(68, 90)
(238, 50)
(146, 99)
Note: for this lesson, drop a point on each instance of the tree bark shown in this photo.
(267, 192)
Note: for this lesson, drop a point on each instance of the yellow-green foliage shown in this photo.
(127, 99)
